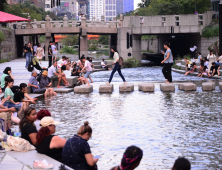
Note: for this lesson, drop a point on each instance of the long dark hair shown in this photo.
(114, 49)
(24, 120)
(7, 69)
(131, 156)
(8, 79)
(42, 133)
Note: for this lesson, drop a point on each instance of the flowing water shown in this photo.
(164, 125)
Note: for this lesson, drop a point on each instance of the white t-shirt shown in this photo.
(51, 71)
(60, 63)
(53, 49)
(35, 47)
(37, 124)
(102, 64)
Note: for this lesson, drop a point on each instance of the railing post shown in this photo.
(102, 19)
(29, 23)
(121, 20)
(47, 23)
(83, 23)
(65, 21)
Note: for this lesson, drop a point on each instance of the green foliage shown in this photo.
(149, 37)
(103, 53)
(36, 13)
(210, 31)
(131, 63)
(103, 39)
(41, 38)
(3, 3)
(188, 56)
(169, 7)
(214, 47)
(68, 50)
(144, 3)
(4, 60)
(70, 40)
(2, 36)
(93, 45)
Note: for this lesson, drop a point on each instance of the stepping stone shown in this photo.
(83, 89)
(146, 87)
(72, 80)
(208, 86)
(167, 87)
(220, 85)
(106, 88)
(187, 86)
(126, 88)
(63, 90)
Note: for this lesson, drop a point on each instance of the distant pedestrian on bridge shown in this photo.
(118, 63)
(168, 63)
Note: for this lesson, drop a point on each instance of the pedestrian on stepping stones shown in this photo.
(118, 61)
(88, 68)
(168, 63)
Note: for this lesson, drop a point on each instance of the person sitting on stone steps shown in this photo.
(204, 72)
(193, 69)
(117, 66)
(214, 70)
(104, 65)
(187, 63)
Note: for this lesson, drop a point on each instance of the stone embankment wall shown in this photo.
(8, 46)
(150, 45)
(205, 43)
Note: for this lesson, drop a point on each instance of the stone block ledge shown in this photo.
(126, 88)
(106, 88)
(167, 87)
(146, 87)
(83, 89)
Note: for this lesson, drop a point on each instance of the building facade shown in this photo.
(128, 5)
(109, 9)
(96, 9)
(39, 3)
(215, 5)
(119, 7)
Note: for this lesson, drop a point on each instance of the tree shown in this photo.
(144, 3)
(3, 3)
(70, 40)
(103, 39)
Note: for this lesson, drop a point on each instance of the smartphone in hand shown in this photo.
(161, 51)
(97, 157)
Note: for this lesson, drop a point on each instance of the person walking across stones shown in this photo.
(168, 63)
(50, 54)
(117, 67)
(28, 55)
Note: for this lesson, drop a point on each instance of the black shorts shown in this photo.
(106, 67)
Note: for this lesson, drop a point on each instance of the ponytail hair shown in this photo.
(42, 133)
(24, 120)
(85, 128)
(167, 44)
(131, 156)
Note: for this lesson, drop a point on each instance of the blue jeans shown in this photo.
(10, 105)
(218, 64)
(87, 74)
(28, 59)
(116, 68)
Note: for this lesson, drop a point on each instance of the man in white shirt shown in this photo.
(35, 48)
(103, 64)
(53, 75)
(54, 52)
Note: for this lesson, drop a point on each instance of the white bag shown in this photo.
(19, 144)
(1, 135)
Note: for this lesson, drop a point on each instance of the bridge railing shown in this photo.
(169, 20)
(66, 23)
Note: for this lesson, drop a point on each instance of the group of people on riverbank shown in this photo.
(209, 66)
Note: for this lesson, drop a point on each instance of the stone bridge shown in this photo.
(135, 26)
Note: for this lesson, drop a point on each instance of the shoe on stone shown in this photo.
(125, 83)
(107, 83)
(42, 164)
(2, 149)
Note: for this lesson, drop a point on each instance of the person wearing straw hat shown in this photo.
(47, 143)
(45, 82)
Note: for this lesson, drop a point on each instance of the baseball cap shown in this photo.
(47, 120)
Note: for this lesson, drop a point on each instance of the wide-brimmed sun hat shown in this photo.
(45, 73)
(46, 121)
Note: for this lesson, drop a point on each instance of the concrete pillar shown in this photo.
(29, 23)
(65, 21)
(83, 41)
(136, 49)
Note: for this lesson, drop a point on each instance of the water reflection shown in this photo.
(164, 125)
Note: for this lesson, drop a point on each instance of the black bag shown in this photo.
(30, 66)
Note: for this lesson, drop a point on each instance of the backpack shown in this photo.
(30, 66)
(121, 61)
